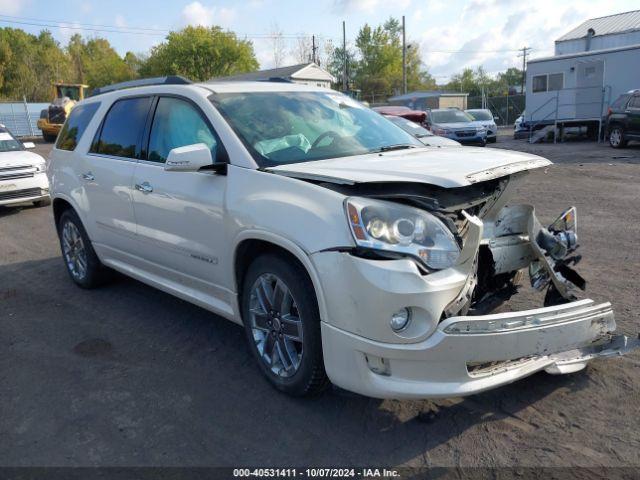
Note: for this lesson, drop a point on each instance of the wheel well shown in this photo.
(249, 250)
(59, 207)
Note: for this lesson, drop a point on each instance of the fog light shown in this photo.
(400, 320)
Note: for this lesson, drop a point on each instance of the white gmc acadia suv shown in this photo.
(350, 252)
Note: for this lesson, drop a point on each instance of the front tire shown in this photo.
(616, 138)
(83, 265)
(282, 325)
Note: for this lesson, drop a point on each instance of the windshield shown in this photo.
(8, 143)
(450, 116)
(291, 127)
(410, 127)
(480, 114)
(73, 92)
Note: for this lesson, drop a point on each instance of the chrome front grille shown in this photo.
(29, 192)
(17, 171)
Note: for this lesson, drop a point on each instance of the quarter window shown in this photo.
(122, 128)
(75, 126)
(177, 123)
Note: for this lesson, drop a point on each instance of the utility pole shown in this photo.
(344, 57)
(525, 52)
(404, 58)
(313, 49)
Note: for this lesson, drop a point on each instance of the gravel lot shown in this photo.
(127, 375)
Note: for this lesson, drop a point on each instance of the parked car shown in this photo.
(22, 174)
(349, 251)
(456, 125)
(422, 134)
(486, 119)
(416, 116)
(623, 119)
(520, 127)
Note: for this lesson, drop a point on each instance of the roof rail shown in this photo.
(143, 82)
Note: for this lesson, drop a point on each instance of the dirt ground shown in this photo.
(127, 375)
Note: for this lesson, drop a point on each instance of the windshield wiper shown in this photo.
(389, 148)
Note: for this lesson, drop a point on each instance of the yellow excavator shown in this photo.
(66, 95)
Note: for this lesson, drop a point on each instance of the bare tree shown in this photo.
(278, 45)
(302, 49)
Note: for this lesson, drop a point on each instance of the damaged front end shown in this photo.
(457, 343)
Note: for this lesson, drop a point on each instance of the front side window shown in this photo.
(291, 127)
(8, 143)
(122, 128)
(539, 83)
(75, 125)
(177, 123)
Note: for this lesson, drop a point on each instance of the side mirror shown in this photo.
(191, 158)
(29, 145)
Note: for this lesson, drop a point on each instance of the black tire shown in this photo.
(45, 202)
(616, 137)
(95, 273)
(310, 377)
(49, 138)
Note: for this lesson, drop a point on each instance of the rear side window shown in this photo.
(178, 123)
(635, 102)
(620, 103)
(122, 128)
(75, 126)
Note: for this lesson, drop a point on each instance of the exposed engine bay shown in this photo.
(512, 240)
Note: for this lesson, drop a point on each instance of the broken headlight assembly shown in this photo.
(401, 230)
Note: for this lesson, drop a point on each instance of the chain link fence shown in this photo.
(507, 108)
(21, 118)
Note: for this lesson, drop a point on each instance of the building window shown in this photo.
(548, 82)
(539, 83)
(556, 81)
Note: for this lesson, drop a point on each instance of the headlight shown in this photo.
(441, 131)
(41, 167)
(388, 226)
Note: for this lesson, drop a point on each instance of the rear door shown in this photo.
(108, 172)
(180, 215)
(633, 112)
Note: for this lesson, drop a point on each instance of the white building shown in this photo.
(594, 63)
(305, 73)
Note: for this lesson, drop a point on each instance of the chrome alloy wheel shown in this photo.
(615, 137)
(276, 325)
(73, 250)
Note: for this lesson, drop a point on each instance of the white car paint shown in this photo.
(182, 237)
(22, 176)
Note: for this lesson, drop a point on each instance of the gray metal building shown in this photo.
(593, 65)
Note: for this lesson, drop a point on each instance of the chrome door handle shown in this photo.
(144, 187)
(88, 176)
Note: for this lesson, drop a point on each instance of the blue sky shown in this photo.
(486, 31)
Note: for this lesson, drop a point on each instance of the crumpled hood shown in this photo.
(444, 167)
(19, 158)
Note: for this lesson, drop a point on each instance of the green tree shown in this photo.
(96, 63)
(379, 65)
(200, 53)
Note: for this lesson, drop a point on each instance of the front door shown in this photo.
(589, 84)
(107, 173)
(180, 215)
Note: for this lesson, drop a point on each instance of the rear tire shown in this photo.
(83, 265)
(616, 137)
(282, 325)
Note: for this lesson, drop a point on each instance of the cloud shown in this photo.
(369, 6)
(120, 21)
(196, 13)
(11, 7)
